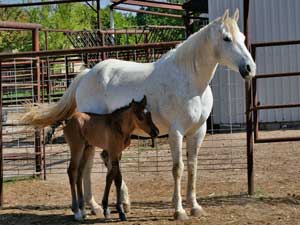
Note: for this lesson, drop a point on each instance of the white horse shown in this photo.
(178, 92)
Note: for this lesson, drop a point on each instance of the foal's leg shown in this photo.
(118, 183)
(125, 199)
(193, 143)
(76, 154)
(109, 179)
(88, 196)
(83, 163)
(175, 139)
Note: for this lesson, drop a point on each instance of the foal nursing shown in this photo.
(110, 132)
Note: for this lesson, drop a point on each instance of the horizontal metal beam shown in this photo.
(275, 43)
(6, 56)
(39, 3)
(279, 139)
(279, 106)
(276, 75)
(154, 4)
(147, 12)
(20, 26)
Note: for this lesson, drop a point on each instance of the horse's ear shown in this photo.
(144, 101)
(132, 102)
(236, 15)
(226, 15)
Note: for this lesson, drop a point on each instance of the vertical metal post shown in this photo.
(112, 25)
(1, 149)
(254, 97)
(99, 24)
(249, 119)
(37, 94)
(68, 80)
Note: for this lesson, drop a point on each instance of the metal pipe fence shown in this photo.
(222, 151)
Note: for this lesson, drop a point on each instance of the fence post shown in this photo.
(1, 149)
(37, 95)
(249, 119)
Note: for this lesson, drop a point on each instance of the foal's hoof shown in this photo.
(198, 212)
(180, 215)
(106, 213)
(78, 216)
(127, 207)
(122, 217)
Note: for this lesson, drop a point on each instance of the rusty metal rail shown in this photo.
(256, 106)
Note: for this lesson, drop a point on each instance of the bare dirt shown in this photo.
(222, 193)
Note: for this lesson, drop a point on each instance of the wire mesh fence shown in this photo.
(28, 152)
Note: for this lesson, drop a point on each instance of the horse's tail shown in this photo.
(43, 115)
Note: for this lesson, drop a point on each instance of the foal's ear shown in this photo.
(236, 15)
(226, 15)
(144, 101)
(132, 102)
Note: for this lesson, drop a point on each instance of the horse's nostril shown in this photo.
(248, 68)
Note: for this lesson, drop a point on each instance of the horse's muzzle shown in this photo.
(247, 70)
(154, 132)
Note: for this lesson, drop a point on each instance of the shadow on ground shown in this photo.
(26, 214)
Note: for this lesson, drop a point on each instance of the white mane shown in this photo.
(189, 53)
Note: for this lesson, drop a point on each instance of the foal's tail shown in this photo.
(43, 115)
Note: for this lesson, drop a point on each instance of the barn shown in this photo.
(270, 21)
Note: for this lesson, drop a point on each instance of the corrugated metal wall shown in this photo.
(271, 20)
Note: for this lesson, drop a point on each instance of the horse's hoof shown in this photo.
(181, 215)
(97, 210)
(78, 216)
(84, 214)
(198, 212)
(127, 207)
(106, 213)
(122, 217)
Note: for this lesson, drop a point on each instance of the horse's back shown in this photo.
(111, 84)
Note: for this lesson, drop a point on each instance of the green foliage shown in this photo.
(74, 16)
(146, 19)
(14, 40)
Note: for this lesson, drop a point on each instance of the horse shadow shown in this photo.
(48, 219)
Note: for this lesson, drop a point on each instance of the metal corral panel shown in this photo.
(271, 20)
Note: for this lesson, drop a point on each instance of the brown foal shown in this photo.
(111, 132)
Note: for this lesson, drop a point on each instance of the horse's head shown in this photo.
(142, 117)
(229, 45)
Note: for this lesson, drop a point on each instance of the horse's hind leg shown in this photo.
(118, 183)
(124, 190)
(193, 143)
(88, 196)
(76, 154)
(83, 162)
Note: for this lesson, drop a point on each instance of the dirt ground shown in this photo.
(222, 194)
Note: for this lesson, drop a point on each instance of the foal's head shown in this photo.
(142, 117)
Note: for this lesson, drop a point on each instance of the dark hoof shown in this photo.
(122, 217)
(106, 213)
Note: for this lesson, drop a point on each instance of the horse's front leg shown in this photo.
(88, 196)
(193, 143)
(109, 179)
(175, 139)
(124, 190)
(118, 183)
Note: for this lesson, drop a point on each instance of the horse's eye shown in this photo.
(227, 39)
